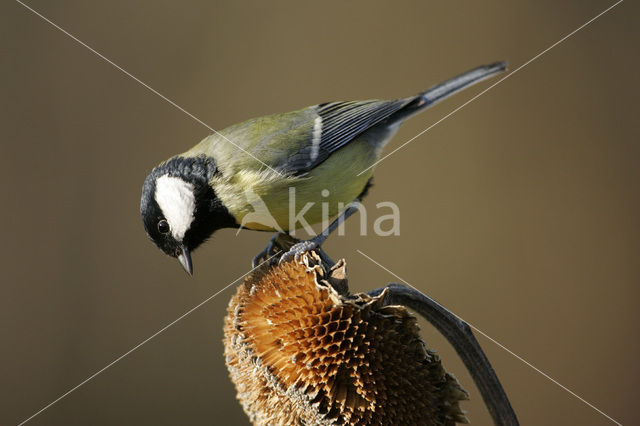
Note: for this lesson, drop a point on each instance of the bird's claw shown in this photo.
(280, 242)
(298, 250)
(290, 249)
(263, 254)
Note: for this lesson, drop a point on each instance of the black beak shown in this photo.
(185, 260)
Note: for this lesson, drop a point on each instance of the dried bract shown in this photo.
(299, 352)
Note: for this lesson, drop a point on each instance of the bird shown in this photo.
(258, 173)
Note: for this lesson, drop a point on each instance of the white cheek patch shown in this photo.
(177, 202)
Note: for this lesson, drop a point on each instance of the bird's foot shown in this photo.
(292, 247)
(298, 250)
(283, 248)
(281, 242)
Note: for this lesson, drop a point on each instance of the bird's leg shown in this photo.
(459, 334)
(264, 253)
(279, 242)
(314, 243)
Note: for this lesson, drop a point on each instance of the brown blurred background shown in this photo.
(520, 213)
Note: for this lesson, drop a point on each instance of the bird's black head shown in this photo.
(180, 209)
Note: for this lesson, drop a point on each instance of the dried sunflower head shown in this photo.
(301, 350)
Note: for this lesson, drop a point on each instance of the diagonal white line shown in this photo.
(503, 347)
(492, 86)
(213, 130)
(151, 89)
(124, 355)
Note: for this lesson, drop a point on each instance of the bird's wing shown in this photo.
(296, 142)
(335, 124)
(338, 123)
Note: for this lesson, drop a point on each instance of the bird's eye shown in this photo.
(163, 227)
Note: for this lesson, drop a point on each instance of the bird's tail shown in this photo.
(447, 88)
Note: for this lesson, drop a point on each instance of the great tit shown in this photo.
(258, 173)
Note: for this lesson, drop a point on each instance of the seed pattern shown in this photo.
(300, 353)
